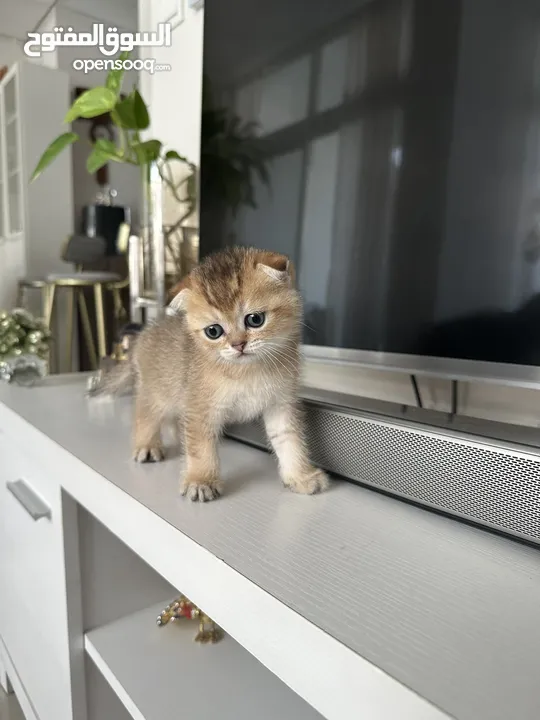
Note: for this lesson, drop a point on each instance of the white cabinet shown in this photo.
(33, 610)
(363, 605)
(34, 218)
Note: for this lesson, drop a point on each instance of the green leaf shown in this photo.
(173, 155)
(106, 147)
(147, 152)
(96, 160)
(131, 113)
(54, 149)
(141, 112)
(93, 102)
(102, 152)
(116, 75)
(124, 113)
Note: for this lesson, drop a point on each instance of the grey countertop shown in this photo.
(448, 610)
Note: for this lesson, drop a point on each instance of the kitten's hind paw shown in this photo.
(312, 482)
(148, 454)
(200, 490)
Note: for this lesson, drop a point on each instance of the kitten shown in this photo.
(229, 352)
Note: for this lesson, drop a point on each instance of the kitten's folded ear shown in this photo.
(178, 296)
(277, 266)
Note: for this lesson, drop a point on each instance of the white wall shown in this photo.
(44, 92)
(121, 13)
(175, 95)
(47, 59)
(82, 22)
(10, 51)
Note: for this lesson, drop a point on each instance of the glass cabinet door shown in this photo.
(12, 156)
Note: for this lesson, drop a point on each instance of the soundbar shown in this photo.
(491, 483)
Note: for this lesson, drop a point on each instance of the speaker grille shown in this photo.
(498, 487)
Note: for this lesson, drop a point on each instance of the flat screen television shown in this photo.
(401, 174)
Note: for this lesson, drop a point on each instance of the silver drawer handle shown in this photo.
(33, 504)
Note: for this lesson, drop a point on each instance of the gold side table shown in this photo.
(73, 284)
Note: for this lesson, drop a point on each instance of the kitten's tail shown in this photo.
(115, 381)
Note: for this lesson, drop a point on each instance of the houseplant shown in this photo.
(130, 116)
(230, 155)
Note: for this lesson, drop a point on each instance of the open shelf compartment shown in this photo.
(161, 672)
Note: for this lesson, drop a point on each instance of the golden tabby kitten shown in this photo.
(228, 352)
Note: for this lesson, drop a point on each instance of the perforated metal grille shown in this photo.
(498, 488)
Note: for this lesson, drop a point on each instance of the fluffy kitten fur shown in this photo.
(205, 383)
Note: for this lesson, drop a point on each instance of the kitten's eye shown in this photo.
(255, 320)
(213, 332)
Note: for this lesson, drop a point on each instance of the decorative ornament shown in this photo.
(209, 632)
(24, 347)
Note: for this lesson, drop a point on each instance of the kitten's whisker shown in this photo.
(277, 359)
(267, 353)
(278, 352)
(285, 352)
(279, 347)
(285, 346)
(282, 346)
(275, 366)
(287, 341)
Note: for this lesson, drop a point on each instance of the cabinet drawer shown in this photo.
(33, 609)
(27, 467)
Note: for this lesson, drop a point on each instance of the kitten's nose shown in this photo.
(239, 346)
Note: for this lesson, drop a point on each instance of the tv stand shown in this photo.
(346, 605)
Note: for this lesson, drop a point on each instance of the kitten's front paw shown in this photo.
(200, 490)
(148, 453)
(312, 482)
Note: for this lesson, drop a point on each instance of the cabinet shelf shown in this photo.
(161, 672)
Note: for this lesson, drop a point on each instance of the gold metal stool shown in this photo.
(74, 284)
(120, 312)
(32, 283)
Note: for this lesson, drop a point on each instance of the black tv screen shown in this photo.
(391, 148)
